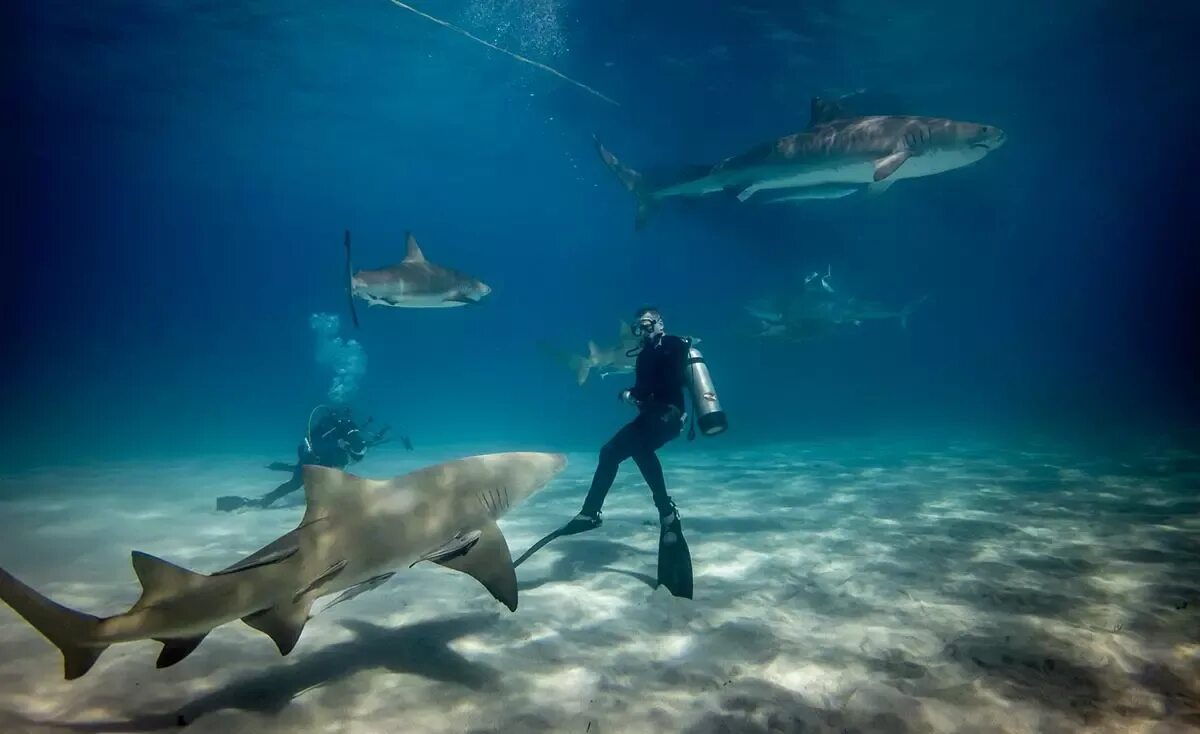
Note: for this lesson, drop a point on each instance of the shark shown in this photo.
(604, 361)
(354, 534)
(611, 360)
(818, 309)
(414, 282)
(618, 359)
(835, 156)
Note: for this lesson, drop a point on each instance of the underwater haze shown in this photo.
(970, 505)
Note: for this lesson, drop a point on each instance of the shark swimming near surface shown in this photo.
(414, 282)
(354, 534)
(835, 156)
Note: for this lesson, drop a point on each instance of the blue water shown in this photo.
(180, 174)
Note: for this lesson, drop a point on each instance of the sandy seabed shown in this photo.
(841, 587)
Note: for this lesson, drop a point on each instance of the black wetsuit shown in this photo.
(661, 374)
(326, 451)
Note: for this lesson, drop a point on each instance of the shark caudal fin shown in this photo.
(908, 311)
(583, 365)
(350, 282)
(633, 182)
(73, 632)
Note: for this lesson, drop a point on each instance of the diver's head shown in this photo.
(648, 324)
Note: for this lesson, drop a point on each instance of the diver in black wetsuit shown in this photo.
(665, 366)
(335, 440)
(660, 378)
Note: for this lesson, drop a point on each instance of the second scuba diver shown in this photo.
(334, 440)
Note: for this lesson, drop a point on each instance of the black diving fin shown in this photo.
(576, 525)
(674, 560)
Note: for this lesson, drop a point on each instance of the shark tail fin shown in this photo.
(350, 282)
(71, 632)
(633, 182)
(908, 310)
(582, 366)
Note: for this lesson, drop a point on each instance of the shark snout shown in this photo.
(990, 138)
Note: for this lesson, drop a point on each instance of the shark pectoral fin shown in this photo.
(177, 649)
(160, 579)
(283, 623)
(456, 546)
(325, 576)
(887, 165)
(746, 193)
(877, 188)
(490, 562)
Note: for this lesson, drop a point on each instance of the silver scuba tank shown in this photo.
(705, 403)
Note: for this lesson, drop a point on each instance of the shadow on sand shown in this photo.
(579, 557)
(419, 649)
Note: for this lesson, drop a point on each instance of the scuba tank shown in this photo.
(706, 406)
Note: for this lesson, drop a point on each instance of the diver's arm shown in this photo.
(639, 391)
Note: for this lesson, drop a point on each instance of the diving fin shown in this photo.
(578, 524)
(674, 560)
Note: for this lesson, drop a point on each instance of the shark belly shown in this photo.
(935, 162)
(412, 301)
(846, 173)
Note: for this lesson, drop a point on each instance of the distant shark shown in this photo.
(818, 309)
(835, 156)
(414, 282)
(604, 361)
(618, 359)
(354, 533)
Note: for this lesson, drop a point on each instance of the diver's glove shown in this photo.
(626, 396)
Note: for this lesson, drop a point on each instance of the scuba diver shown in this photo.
(666, 365)
(334, 440)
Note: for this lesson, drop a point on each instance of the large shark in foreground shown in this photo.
(354, 533)
(835, 156)
(414, 282)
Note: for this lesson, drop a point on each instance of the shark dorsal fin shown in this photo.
(160, 579)
(490, 562)
(412, 252)
(823, 111)
(322, 487)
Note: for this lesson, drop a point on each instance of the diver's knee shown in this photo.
(610, 454)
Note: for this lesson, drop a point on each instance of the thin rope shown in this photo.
(494, 47)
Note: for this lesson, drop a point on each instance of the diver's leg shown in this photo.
(619, 448)
(661, 430)
(652, 471)
(291, 485)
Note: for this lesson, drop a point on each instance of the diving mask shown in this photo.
(648, 324)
